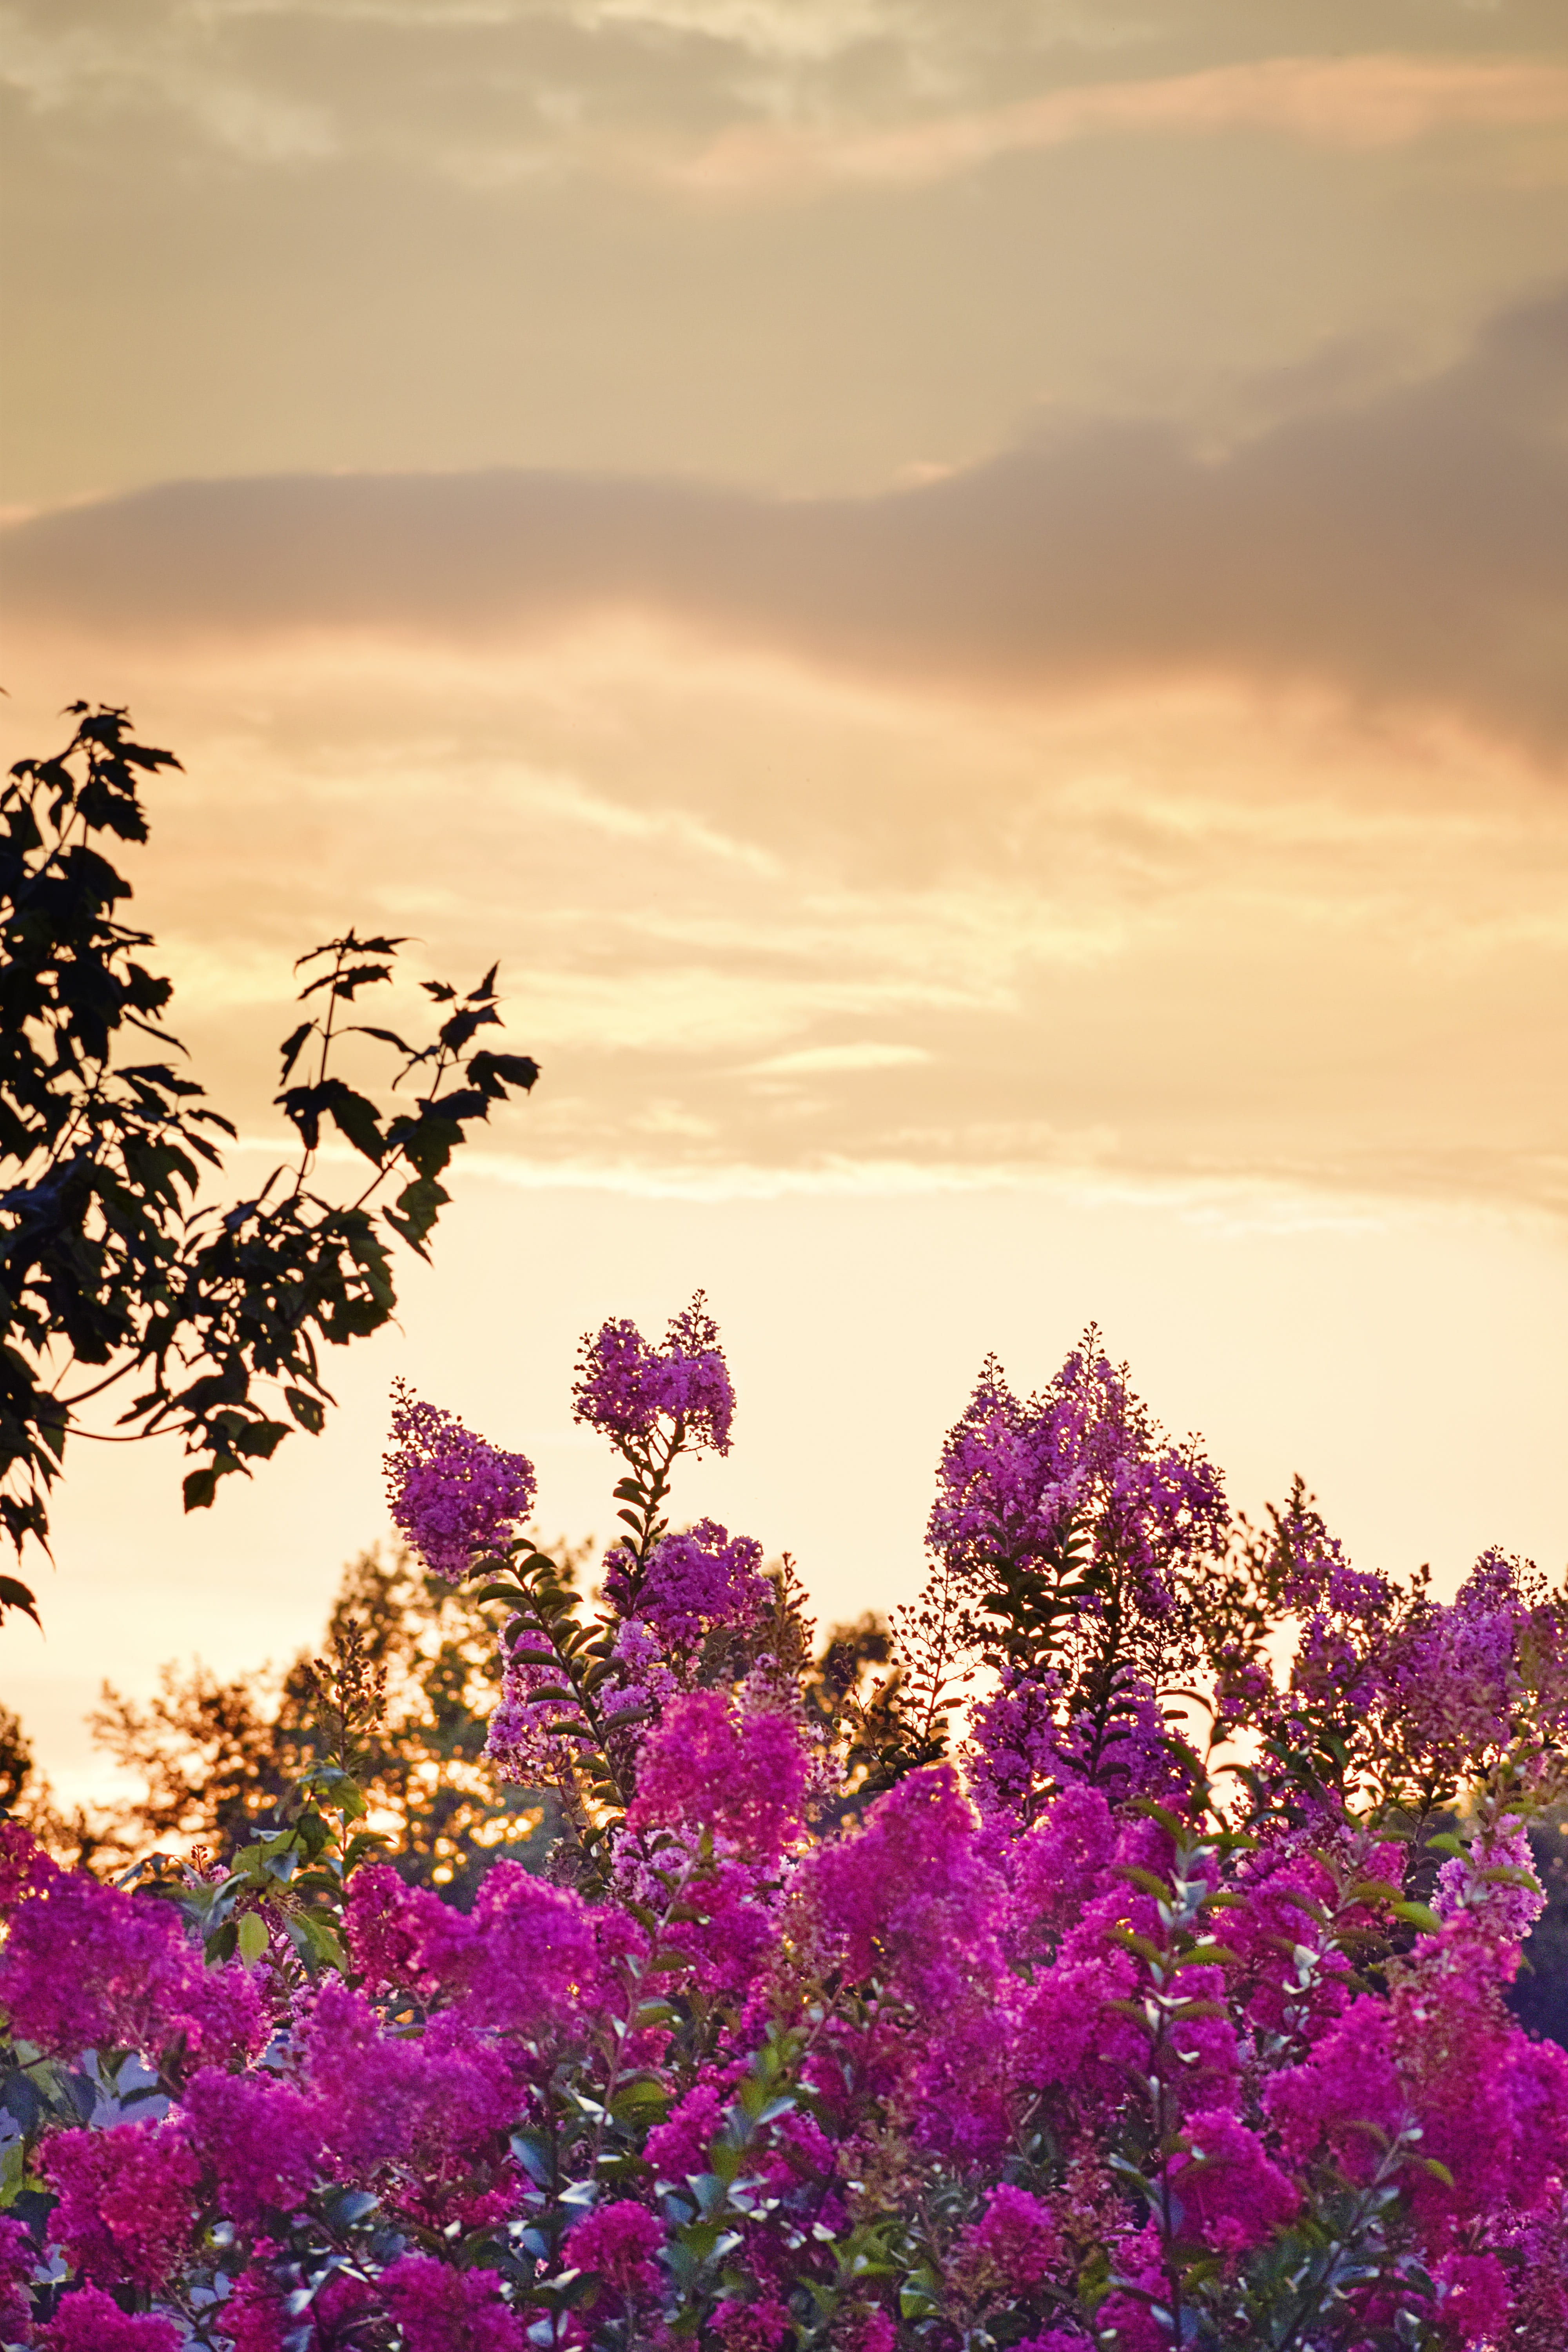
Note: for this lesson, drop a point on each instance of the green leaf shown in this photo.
(1144, 1880)
(1143, 1946)
(645, 2093)
(251, 1937)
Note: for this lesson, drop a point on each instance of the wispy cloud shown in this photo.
(825, 1061)
(56, 68)
(1351, 101)
(739, 99)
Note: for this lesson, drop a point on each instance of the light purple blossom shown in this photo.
(454, 1495)
(1019, 1476)
(696, 1584)
(625, 1389)
(1028, 1745)
(1492, 1887)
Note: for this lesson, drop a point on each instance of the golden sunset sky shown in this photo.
(971, 594)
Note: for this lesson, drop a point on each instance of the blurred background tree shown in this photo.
(217, 1759)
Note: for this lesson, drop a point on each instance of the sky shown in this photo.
(972, 595)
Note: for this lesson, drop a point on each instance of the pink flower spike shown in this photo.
(452, 1495)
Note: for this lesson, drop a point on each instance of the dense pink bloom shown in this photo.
(1128, 2320)
(620, 2241)
(391, 2099)
(1054, 1869)
(125, 2200)
(255, 2319)
(625, 1389)
(91, 2321)
(86, 1965)
(872, 2332)
(680, 2146)
(386, 1921)
(760, 2325)
(454, 1495)
(1017, 2244)
(1475, 2296)
(525, 1960)
(1062, 2033)
(695, 1583)
(1351, 2079)
(1232, 2196)
(221, 2015)
(259, 2136)
(910, 1896)
(707, 1766)
(19, 2259)
(443, 2310)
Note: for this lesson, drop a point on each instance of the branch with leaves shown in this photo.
(111, 1267)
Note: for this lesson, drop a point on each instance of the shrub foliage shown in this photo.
(1122, 1965)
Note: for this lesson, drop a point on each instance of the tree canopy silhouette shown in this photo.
(116, 1264)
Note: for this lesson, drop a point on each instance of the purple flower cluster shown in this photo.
(696, 1584)
(1491, 1889)
(627, 1390)
(452, 1495)
(1019, 1476)
(707, 1766)
(828, 2033)
(1029, 1742)
(83, 1964)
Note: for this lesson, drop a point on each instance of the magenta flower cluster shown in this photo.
(1018, 1477)
(454, 1496)
(1160, 2005)
(628, 1391)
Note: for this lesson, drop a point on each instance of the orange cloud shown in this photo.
(1361, 101)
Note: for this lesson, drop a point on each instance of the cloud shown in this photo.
(819, 1061)
(747, 100)
(63, 68)
(1355, 101)
(1409, 548)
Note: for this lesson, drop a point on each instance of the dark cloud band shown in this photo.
(1411, 547)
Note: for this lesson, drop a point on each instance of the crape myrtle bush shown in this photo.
(1163, 2007)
